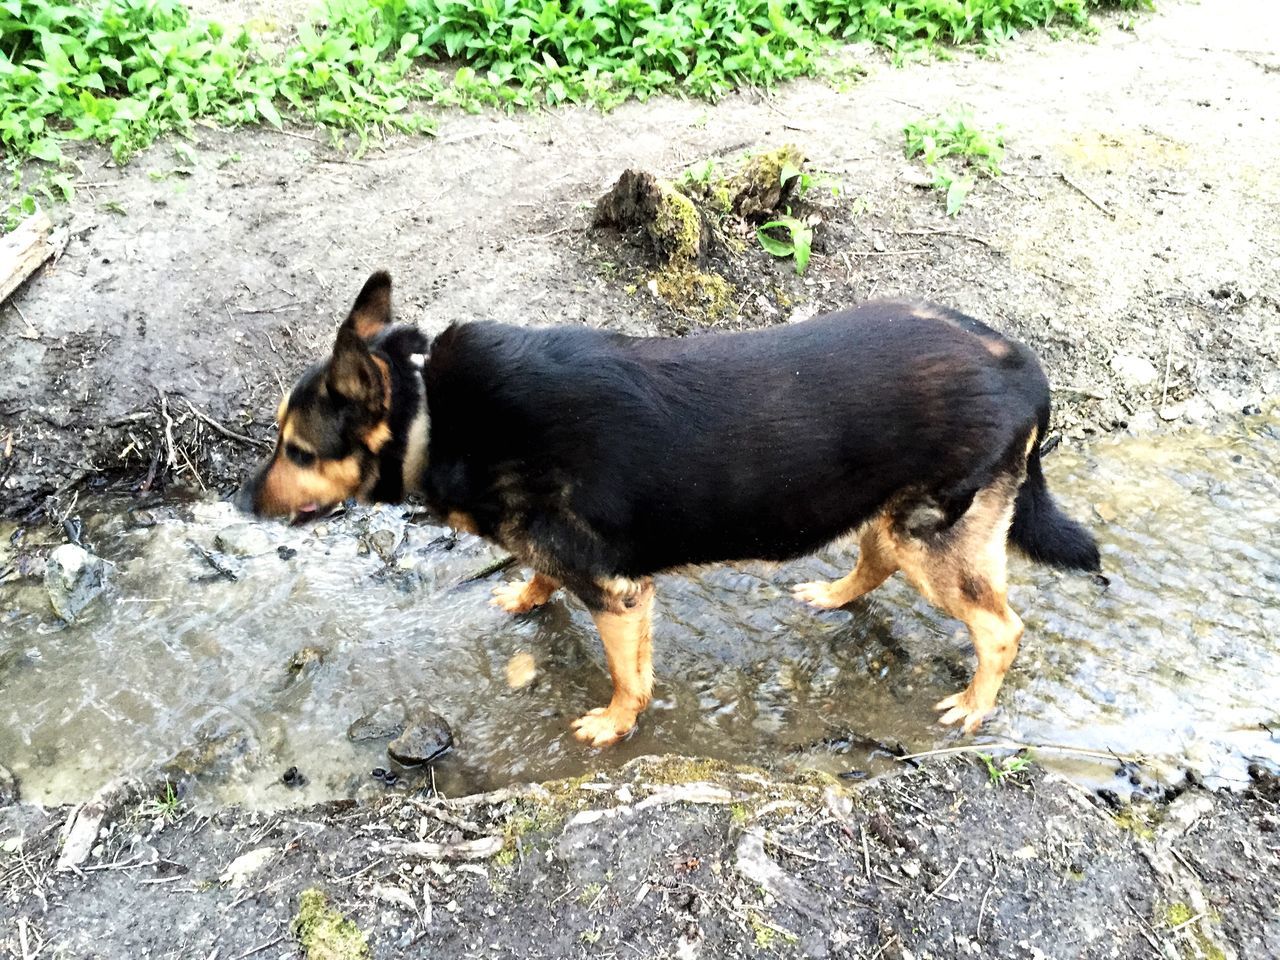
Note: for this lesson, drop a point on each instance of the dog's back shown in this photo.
(763, 444)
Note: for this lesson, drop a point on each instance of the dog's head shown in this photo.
(333, 424)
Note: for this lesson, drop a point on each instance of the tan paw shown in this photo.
(601, 727)
(820, 593)
(964, 706)
(514, 598)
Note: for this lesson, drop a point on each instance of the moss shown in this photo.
(694, 292)
(673, 770)
(1138, 820)
(677, 227)
(763, 932)
(1177, 914)
(759, 190)
(325, 934)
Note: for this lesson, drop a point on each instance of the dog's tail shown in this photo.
(1042, 531)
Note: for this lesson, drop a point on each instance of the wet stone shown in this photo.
(8, 787)
(242, 540)
(386, 722)
(73, 577)
(306, 657)
(425, 738)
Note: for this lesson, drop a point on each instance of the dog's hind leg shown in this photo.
(523, 597)
(625, 625)
(963, 571)
(876, 563)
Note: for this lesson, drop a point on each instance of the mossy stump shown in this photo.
(671, 223)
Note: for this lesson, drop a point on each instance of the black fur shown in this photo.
(620, 456)
(1043, 532)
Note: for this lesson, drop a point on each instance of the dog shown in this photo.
(600, 460)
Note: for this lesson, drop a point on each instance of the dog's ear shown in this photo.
(372, 311)
(354, 373)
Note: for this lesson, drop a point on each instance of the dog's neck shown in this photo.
(402, 461)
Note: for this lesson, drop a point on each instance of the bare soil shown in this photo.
(1137, 218)
(671, 858)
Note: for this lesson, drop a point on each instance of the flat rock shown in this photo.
(1135, 371)
(73, 577)
(425, 737)
(242, 540)
(382, 724)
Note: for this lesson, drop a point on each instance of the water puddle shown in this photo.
(1177, 659)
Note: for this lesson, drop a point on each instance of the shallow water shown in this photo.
(1177, 659)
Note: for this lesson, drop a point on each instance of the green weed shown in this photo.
(1002, 771)
(950, 145)
(800, 238)
(168, 807)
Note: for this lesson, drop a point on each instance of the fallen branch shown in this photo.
(225, 431)
(1042, 747)
(479, 849)
(23, 251)
(1085, 193)
(486, 571)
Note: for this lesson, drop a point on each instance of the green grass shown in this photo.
(951, 145)
(121, 72)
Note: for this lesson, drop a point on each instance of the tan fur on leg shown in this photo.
(625, 630)
(523, 597)
(966, 577)
(875, 565)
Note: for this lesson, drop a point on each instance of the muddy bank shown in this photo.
(1132, 242)
(669, 858)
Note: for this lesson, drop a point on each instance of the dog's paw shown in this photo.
(515, 598)
(602, 726)
(964, 706)
(820, 593)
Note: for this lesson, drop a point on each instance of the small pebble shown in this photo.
(378, 773)
(286, 553)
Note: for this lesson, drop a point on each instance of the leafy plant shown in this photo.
(954, 134)
(800, 239)
(1009, 767)
(123, 71)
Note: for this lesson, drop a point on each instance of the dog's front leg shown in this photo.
(523, 597)
(624, 619)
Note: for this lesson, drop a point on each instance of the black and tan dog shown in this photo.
(600, 460)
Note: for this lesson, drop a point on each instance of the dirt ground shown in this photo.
(1137, 219)
(669, 858)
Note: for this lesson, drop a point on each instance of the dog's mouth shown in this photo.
(312, 511)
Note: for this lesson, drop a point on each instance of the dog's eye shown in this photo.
(303, 458)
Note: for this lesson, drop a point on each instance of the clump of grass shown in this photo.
(167, 807)
(955, 150)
